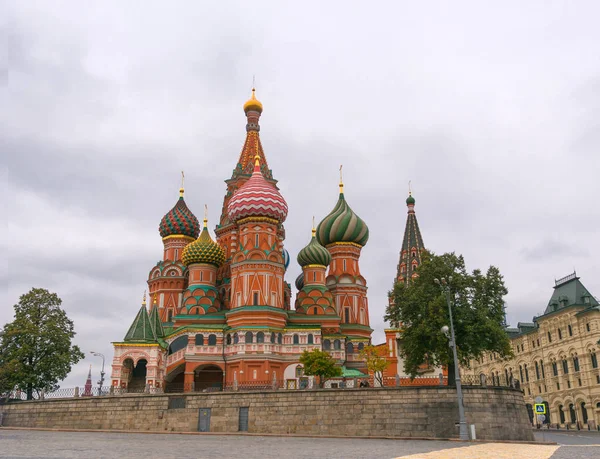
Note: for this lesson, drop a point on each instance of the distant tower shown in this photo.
(412, 245)
(87, 389)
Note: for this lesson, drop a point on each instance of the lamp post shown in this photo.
(462, 423)
(101, 382)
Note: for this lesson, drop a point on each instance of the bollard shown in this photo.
(473, 436)
(76, 394)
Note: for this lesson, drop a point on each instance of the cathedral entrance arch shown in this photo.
(208, 378)
(175, 379)
(138, 377)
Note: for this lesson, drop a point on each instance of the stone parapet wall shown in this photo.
(498, 413)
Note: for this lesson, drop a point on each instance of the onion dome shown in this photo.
(314, 253)
(253, 104)
(179, 221)
(203, 250)
(410, 201)
(286, 258)
(342, 225)
(257, 198)
(300, 281)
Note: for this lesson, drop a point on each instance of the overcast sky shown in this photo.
(491, 110)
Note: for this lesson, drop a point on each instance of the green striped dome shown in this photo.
(342, 225)
(203, 250)
(314, 254)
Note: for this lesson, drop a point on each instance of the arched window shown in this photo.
(521, 373)
(559, 334)
(570, 330)
(542, 368)
(347, 315)
(310, 339)
(572, 414)
(212, 340)
(315, 311)
(236, 338)
(260, 337)
(337, 345)
(199, 340)
(549, 337)
(554, 368)
(576, 363)
(565, 365)
(178, 343)
(526, 373)
(326, 345)
(594, 360)
(537, 371)
(228, 339)
(361, 346)
(561, 413)
(273, 338)
(584, 415)
(249, 337)
(296, 339)
(350, 348)
(279, 338)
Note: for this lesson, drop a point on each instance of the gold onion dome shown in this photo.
(314, 253)
(253, 104)
(203, 250)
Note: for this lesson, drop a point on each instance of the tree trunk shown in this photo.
(29, 391)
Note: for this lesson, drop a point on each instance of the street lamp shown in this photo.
(462, 423)
(101, 382)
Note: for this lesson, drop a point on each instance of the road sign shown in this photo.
(540, 408)
(541, 418)
(539, 399)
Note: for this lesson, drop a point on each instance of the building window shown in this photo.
(537, 371)
(561, 414)
(295, 339)
(176, 254)
(542, 368)
(170, 315)
(594, 359)
(554, 368)
(236, 338)
(361, 346)
(315, 311)
(228, 339)
(256, 240)
(587, 327)
(337, 345)
(249, 337)
(538, 342)
(199, 340)
(559, 334)
(349, 348)
(279, 338)
(565, 365)
(314, 276)
(347, 315)
(526, 373)
(572, 414)
(549, 337)
(212, 340)
(344, 265)
(557, 386)
(273, 338)
(521, 372)
(311, 339)
(570, 330)
(255, 298)
(326, 345)
(260, 337)
(576, 363)
(201, 276)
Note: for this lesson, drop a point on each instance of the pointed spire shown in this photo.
(341, 180)
(141, 329)
(87, 390)
(205, 215)
(314, 229)
(155, 321)
(256, 163)
(412, 244)
(182, 189)
(144, 299)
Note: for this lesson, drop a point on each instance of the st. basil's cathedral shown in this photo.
(220, 313)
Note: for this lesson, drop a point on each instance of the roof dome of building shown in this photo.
(410, 201)
(253, 104)
(286, 258)
(342, 225)
(314, 253)
(300, 281)
(257, 198)
(179, 221)
(203, 250)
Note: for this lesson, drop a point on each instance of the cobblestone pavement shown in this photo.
(45, 445)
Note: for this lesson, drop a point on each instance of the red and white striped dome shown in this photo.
(257, 198)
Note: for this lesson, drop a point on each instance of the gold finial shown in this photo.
(409, 189)
(144, 299)
(154, 300)
(256, 159)
(341, 180)
(205, 215)
(182, 183)
(314, 231)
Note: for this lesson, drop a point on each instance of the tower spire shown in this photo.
(205, 215)
(412, 244)
(181, 190)
(341, 180)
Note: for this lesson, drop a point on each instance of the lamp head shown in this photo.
(445, 330)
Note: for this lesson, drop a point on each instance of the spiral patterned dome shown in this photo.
(179, 221)
(300, 281)
(314, 254)
(257, 198)
(342, 225)
(286, 258)
(203, 250)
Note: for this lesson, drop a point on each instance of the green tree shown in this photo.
(36, 350)
(376, 362)
(421, 310)
(321, 364)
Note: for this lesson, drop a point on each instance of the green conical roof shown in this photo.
(141, 329)
(155, 322)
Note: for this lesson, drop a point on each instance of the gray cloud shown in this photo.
(490, 111)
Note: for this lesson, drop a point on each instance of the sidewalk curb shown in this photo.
(250, 434)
